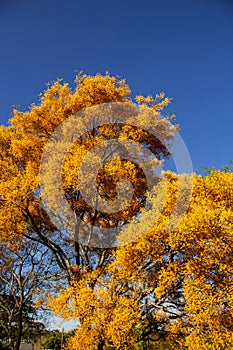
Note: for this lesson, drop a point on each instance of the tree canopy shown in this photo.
(22, 144)
(126, 268)
(174, 285)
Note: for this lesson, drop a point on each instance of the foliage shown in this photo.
(225, 168)
(57, 339)
(178, 283)
(166, 285)
(22, 212)
(34, 332)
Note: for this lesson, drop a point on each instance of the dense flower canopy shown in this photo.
(164, 283)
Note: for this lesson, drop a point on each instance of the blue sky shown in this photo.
(181, 47)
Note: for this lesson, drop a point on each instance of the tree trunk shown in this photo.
(20, 330)
(11, 344)
(101, 345)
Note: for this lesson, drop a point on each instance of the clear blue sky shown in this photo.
(181, 47)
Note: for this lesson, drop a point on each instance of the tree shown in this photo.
(23, 143)
(57, 340)
(171, 285)
(22, 146)
(25, 273)
(165, 280)
(34, 332)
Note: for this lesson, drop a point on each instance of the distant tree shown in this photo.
(57, 340)
(25, 273)
(34, 331)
